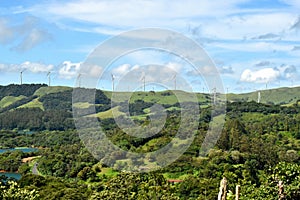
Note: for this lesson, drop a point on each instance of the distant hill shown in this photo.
(18, 90)
(16, 94)
(8, 100)
(38, 105)
(282, 96)
(48, 90)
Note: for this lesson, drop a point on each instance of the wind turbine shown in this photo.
(113, 82)
(144, 80)
(215, 95)
(258, 97)
(79, 80)
(174, 78)
(21, 76)
(49, 78)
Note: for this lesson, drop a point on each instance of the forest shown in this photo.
(258, 147)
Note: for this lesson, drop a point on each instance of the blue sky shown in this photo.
(252, 43)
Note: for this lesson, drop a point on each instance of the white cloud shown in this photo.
(206, 70)
(174, 67)
(6, 33)
(268, 36)
(129, 14)
(93, 71)
(23, 36)
(33, 38)
(69, 70)
(293, 3)
(112, 17)
(152, 72)
(254, 46)
(122, 69)
(247, 25)
(296, 48)
(288, 72)
(296, 24)
(3, 67)
(226, 70)
(262, 63)
(260, 76)
(36, 67)
(28, 66)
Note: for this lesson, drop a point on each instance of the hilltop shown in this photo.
(282, 96)
(31, 95)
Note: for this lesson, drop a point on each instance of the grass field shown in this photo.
(277, 96)
(8, 100)
(82, 105)
(53, 89)
(35, 103)
(164, 97)
(108, 114)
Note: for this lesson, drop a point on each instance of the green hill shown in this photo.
(60, 98)
(8, 100)
(162, 97)
(18, 90)
(274, 96)
(35, 103)
(48, 90)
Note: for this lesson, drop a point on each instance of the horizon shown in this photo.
(147, 91)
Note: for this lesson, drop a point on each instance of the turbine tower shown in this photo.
(144, 82)
(79, 80)
(49, 78)
(113, 82)
(258, 97)
(174, 78)
(21, 76)
(215, 95)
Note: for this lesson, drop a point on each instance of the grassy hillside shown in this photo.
(35, 103)
(163, 97)
(8, 100)
(48, 90)
(277, 96)
(108, 113)
(283, 96)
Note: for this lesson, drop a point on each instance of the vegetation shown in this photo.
(11, 190)
(8, 100)
(18, 90)
(258, 147)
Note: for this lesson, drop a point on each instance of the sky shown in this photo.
(254, 44)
